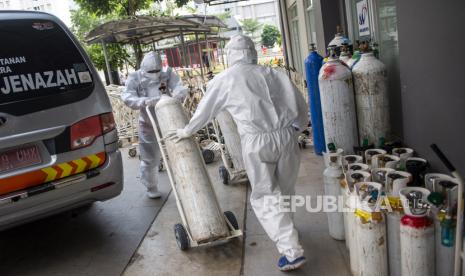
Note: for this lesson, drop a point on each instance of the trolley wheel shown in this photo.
(208, 156)
(224, 174)
(161, 166)
(181, 236)
(132, 152)
(232, 219)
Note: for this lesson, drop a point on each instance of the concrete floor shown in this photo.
(108, 238)
(99, 240)
(252, 255)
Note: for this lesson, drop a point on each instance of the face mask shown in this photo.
(153, 76)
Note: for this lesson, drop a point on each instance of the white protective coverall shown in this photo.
(142, 89)
(265, 105)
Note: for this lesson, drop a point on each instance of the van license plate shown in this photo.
(19, 158)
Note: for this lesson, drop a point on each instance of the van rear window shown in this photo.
(40, 67)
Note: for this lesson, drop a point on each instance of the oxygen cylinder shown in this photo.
(371, 97)
(370, 231)
(338, 41)
(232, 139)
(416, 233)
(443, 200)
(193, 185)
(312, 67)
(369, 153)
(354, 59)
(379, 175)
(395, 180)
(403, 154)
(344, 56)
(351, 177)
(337, 104)
(350, 159)
(384, 161)
(417, 167)
(332, 177)
(358, 167)
(326, 157)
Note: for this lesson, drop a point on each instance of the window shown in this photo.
(49, 74)
(310, 21)
(295, 41)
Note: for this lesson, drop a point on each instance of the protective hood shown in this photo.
(241, 50)
(151, 61)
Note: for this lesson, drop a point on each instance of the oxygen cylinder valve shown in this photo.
(416, 203)
(332, 52)
(332, 147)
(312, 47)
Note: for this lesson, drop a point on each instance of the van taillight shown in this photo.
(108, 122)
(83, 133)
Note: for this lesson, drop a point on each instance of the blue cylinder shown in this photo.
(313, 64)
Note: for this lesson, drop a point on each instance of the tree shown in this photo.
(122, 8)
(223, 16)
(270, 35)
(251, 26)
(83, 22)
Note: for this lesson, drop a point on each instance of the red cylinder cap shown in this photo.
(416, 222)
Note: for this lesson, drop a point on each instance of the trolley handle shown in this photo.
(443, 158)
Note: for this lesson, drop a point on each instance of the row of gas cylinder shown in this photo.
(398, 218)
(348, 98)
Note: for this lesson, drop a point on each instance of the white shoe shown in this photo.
(153, 193)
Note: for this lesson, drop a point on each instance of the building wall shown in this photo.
(431, 39)
(59, 8)
(264, 11)
(328, 15)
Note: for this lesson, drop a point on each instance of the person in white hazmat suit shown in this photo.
(267, 109)
(142, 90)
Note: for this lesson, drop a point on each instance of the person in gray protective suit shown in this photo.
(144, 88)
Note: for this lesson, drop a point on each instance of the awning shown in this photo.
(148, 29)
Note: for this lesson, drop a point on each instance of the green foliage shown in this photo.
(83, 22)
(224, 15)
(120, 7)
(270, 35)
(251, 26)
(95, 12)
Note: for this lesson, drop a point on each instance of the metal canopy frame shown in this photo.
(150, 29)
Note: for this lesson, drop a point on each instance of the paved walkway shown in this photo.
(99, 240)
(117, 237)
(254, 255)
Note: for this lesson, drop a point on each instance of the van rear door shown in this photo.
(40, 67)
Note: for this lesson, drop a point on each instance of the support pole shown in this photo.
(208, 50)
(183, 49)
(200, 54)
(222, 52)
(107, 62)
